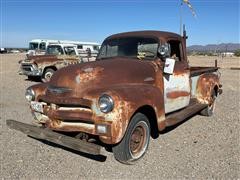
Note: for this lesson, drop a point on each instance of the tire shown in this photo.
(208, 111)
(135, 141)
(47, 74)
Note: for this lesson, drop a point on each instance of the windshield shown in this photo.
(70, 51)
(136, 47)
(54, 50)
(33, 46)
(42, 46)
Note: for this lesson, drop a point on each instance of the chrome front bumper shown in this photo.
(30, 70)
(49, 135)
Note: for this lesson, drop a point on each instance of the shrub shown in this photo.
(237, 53)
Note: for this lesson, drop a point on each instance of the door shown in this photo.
(176, 84)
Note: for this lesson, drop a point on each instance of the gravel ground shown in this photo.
(200, 148)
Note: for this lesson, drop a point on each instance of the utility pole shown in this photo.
(180, 10)
(181, 14)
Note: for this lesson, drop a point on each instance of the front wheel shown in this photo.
(47, 74)
(135, 141)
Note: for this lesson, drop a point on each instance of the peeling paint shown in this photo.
(148, 79)
(78, 79)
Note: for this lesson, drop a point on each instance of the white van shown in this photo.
(85, 49)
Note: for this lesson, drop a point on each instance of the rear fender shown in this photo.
(206, 84)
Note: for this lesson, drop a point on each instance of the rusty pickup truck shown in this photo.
(57, 56)
(140, 84)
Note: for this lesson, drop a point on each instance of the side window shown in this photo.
(69, 51)
(175, 48)
(42, 46)
(95, 48)
(79, 46)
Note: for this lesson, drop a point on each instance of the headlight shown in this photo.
(105, 103)
(30, 94)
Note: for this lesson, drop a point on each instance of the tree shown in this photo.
(237, 53)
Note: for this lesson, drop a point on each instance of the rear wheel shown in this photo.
(47, 74)
(135, 142)
(208, 111)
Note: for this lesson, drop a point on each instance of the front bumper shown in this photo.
(30, 70)
(59, 115)
(54, 137)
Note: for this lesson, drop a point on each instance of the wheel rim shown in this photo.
(48, 76)
(138, 140)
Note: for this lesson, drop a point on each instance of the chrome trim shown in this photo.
(58, 90)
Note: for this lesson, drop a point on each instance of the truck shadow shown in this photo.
(100, 158)
(33, 79)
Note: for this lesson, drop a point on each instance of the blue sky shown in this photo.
(217, 21)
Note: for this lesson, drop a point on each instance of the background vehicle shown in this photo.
(39, 46)
(86, 49)
(56, 57)
(3, 50)
(140, 84)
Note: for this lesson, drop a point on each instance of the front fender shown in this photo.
(39, 89)
(127, 100)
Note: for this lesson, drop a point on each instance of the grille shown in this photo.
(27, 67)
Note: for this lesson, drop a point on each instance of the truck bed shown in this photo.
(194, 71)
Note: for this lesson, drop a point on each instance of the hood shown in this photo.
(103, 74)
(49, 59)
(41, 58)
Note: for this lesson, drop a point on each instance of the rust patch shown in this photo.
(176, 94)
(88, 74)
(205, 87)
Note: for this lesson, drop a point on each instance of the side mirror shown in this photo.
(169, 66)
(164, 50)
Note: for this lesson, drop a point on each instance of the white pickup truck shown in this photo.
(56, 57)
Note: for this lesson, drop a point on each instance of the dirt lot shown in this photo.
(199, 148)
(225, 62)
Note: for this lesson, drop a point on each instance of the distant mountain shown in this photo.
(229, 47)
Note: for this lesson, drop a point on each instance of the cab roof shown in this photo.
(148, 33)
(63, 45)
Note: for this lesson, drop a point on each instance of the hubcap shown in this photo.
(48, 76)
(138, 140)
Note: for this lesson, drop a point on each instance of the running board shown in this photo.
(54, 137)
(176, 117)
